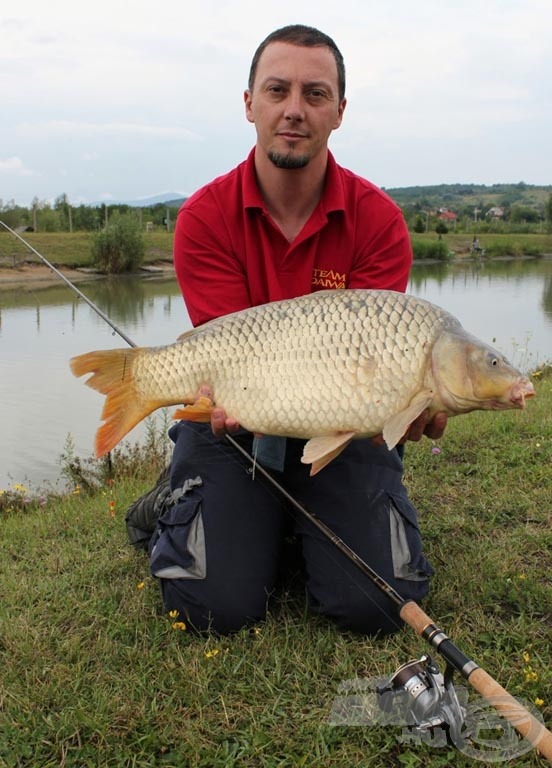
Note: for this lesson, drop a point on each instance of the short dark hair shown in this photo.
(299, 34)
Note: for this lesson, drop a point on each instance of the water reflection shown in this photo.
(507, 304)
(127, 301)
(480, 275)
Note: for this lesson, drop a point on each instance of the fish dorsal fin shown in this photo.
(319, 451)
(395, 427)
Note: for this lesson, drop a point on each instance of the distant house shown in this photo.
(449, 217)
(495, 213)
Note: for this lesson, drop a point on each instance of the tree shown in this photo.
(548, 210)
(419, 225)
(120, 247)
(63, 206)
(523, 214)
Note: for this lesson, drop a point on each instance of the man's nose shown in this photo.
(295, 106)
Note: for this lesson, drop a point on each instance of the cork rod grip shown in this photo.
(521, 719)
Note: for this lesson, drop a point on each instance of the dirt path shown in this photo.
(29, 275)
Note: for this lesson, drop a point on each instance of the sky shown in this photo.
(107, 101)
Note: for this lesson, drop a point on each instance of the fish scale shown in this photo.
(327, 367)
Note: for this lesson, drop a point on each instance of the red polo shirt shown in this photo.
(229, 254)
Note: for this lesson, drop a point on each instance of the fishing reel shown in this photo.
(419, 696)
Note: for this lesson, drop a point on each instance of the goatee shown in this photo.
(288, 161)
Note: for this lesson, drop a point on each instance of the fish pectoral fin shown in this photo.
(200, 410)
(319, 451)
(395, 427)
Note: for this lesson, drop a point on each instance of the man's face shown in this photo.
(294, 103)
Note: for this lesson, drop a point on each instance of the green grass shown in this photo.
(495, 245)
(74, 249)
(93, 673)
(64, 249)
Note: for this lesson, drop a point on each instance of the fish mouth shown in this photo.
(522, 391)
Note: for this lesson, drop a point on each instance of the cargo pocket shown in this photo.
(178, 546)
(409, 562)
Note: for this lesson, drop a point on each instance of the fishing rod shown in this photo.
(83, 296)
(432, 698)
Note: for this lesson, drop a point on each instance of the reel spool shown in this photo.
(422, 698)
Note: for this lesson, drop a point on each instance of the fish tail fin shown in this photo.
(112, 375)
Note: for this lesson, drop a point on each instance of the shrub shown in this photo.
(419, 225)
(430, 249)
(120, 247)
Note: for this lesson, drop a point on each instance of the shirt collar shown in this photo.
(333, 197)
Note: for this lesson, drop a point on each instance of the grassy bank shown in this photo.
(93, 673)
(65, 249)
(74, 249)
(495, 245)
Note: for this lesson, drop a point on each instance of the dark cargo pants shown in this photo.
(217, 549)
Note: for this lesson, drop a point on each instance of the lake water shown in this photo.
(505, 303)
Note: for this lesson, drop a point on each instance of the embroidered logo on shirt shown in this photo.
(328, 278)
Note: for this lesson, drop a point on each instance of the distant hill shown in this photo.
(171, 199)
(456, 196)
(451, 196)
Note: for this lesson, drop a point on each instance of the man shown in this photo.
(285, 222)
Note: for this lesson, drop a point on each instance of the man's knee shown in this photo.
(369, 611)
(221, 613)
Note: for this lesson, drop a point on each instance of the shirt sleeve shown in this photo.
(211, 277)
(384, 261)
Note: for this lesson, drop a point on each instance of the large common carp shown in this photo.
(329, 367)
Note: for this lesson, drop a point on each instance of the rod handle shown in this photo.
(412, 614)
(521, 719)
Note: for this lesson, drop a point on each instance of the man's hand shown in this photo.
(421, 426)
(221, 423)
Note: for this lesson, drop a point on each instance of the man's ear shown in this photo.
(340, 111)
(247, 99)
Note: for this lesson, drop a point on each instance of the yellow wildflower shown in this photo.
(179, 625)
(526, 657)
(522, 577)
(141, 585)
(530, 675)
(173, 614)
(539, 702)
(212, 654)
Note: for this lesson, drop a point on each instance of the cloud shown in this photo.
(152, 99)
(88, 129)
(15, 166)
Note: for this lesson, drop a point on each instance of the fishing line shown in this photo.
(71, 285)
(410, 612)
